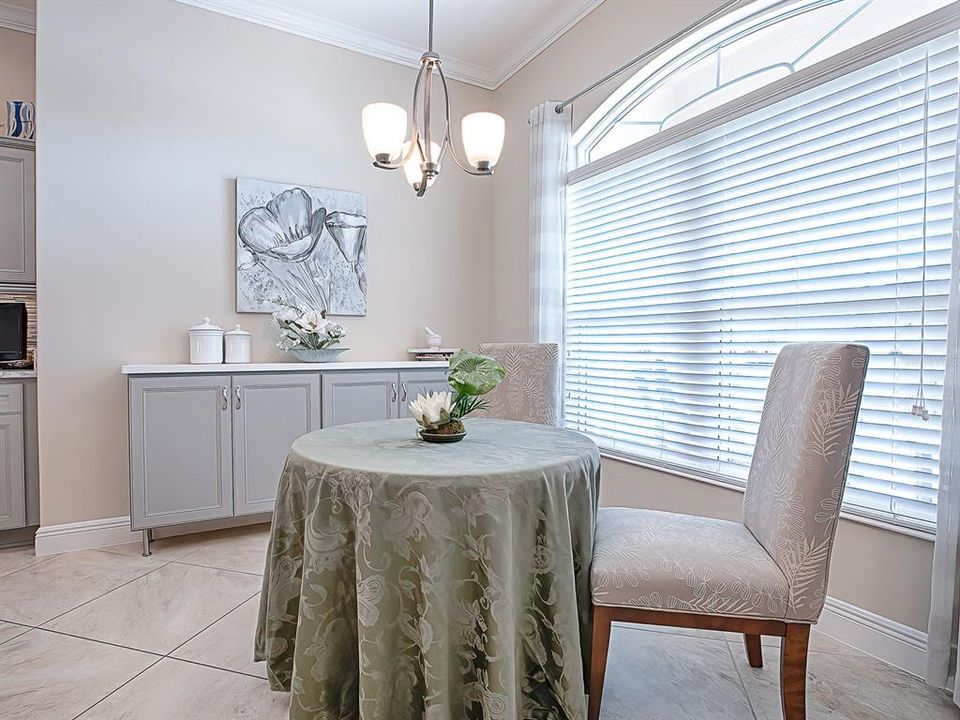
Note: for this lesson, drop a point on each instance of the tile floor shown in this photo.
(107, 634)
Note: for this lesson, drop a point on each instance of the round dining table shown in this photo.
(408, 579)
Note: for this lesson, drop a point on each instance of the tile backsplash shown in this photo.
(30, 300)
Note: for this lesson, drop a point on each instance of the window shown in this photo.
(826, 214)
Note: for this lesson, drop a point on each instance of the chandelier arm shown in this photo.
(448, 142)
(415, 130)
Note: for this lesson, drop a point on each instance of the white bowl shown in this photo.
(318, 356)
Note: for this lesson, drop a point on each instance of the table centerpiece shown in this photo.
(440, 414)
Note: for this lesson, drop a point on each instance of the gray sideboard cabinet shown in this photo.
(359, 396)
(204, 447)
(17, 223)
(209, 441)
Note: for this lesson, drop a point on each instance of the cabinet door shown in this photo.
(269, 413)
(17, 230)
(13, 505)
(180, 450)
(420, 382)
(350, 397)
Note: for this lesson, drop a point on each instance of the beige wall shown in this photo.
(150, 110)
(887, 573)
(17, 68)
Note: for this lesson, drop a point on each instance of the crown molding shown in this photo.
(538, 41)
(15, 17)
(304, 24)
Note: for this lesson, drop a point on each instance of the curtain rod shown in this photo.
(643, 56)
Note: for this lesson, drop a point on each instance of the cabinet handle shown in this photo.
(223, 392)
(403, 388)
(394, 386)
(237, 388)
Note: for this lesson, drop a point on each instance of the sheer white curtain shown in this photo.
(943, 664)
(549, 138)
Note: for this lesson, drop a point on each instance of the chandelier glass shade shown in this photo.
(421, 156)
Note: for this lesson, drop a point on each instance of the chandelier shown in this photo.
(385, 126)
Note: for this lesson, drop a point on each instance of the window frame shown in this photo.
(905, 37)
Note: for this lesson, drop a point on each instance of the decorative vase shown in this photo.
(317, 356)
(450, 432)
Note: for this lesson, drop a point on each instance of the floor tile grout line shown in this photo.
(101, 642)
(87, 602)
(123, 684)
(215, 667)
(170, 654)
(743, 684)
(46, 558)
(215, 567)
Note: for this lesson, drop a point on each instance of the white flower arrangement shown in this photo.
(432, 410)
(305, 329)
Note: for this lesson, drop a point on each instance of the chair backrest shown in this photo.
(531, 390)
(800, 463)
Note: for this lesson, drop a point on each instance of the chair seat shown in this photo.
(665, 561)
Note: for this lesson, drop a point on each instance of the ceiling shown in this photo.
(482, 42)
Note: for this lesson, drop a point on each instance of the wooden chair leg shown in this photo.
(754, 650)
(602, 617)
(793, 672)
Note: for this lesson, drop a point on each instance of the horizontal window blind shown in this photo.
(815, 218)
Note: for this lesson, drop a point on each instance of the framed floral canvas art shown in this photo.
(305, 246)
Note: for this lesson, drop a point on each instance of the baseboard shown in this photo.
(92, 534)
(894, 643)
(83, 535)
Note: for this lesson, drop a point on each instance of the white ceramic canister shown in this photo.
(236, 345)
(206, 343)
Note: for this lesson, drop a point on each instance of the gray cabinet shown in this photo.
(180, 450)
(419, 382)
(350, 397)
(13, 505)
(17, 224)
(269, 413)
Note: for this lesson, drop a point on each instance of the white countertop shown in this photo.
(188, 369)
(17, 374)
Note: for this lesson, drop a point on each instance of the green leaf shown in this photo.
(471, 374)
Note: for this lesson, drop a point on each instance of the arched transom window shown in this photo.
(742, 52)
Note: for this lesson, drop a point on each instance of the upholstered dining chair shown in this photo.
(531, 390)
(766, 575)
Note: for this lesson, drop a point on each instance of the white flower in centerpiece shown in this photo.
(431, 410)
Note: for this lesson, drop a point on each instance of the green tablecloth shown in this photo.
(412, 580)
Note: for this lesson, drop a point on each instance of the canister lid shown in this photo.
(206, 327)
(236, 331)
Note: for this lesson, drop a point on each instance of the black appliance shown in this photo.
(13, 331)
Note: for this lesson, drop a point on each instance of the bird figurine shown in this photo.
(431, 338)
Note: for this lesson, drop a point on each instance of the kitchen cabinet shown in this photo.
(350, 397)
(19, 482)
(209, 442)
(180, 450)
(17, 213)
(269, 413)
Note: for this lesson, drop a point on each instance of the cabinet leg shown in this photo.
(147, 539)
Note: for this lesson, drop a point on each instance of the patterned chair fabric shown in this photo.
(651, 559)
(531, 390)
(776, 563)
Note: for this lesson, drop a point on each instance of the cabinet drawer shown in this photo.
(11, 398)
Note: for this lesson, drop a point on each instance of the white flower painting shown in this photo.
(304, 246)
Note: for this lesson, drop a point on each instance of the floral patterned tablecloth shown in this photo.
(413, 580)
